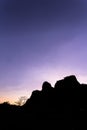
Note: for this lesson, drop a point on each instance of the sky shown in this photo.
(41, 40)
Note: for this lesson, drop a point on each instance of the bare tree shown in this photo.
(21, 101)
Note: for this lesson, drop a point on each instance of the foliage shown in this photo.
(21, 101)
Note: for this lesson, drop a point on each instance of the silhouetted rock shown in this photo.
(46, 87)
(65, 102)
(67, 82)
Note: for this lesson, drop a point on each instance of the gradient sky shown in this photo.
(41, 40)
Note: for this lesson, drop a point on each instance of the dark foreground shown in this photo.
(61, 107)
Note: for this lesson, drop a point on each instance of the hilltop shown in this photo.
(66, 101)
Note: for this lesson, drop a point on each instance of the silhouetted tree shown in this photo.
(21, 101)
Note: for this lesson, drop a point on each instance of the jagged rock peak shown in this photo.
(67, 82)
(71, 78)
(46, 86)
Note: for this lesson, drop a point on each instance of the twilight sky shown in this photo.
(41, 40)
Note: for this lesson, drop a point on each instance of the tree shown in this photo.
(21, 101)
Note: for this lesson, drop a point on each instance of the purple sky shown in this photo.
(41, 40)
